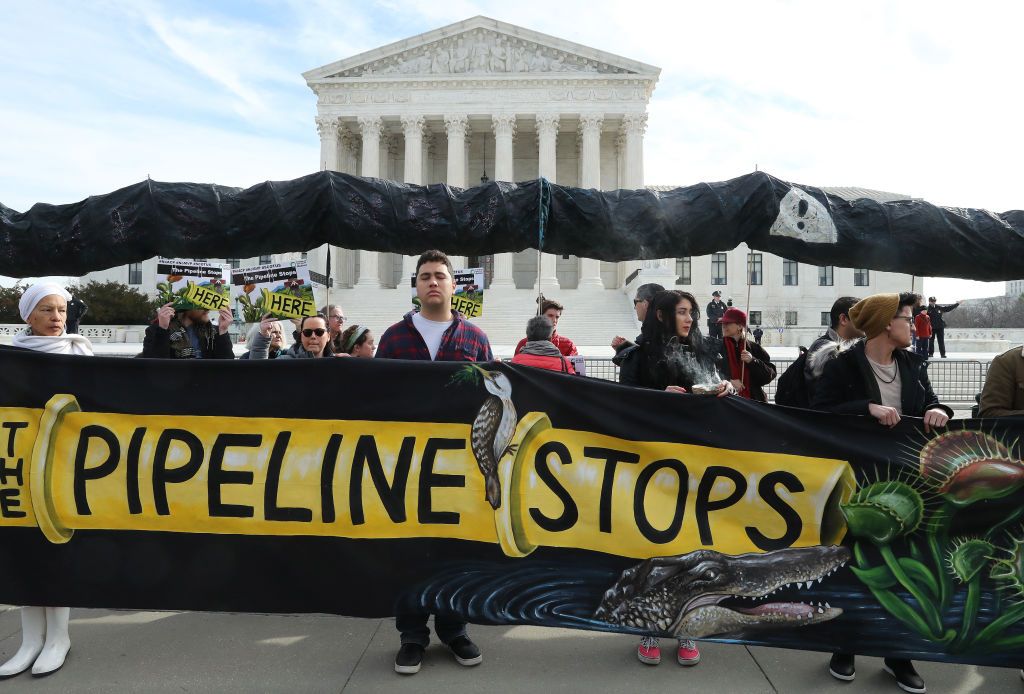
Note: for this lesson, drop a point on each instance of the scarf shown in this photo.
(736, 365)
(54, 344)
(541, 348)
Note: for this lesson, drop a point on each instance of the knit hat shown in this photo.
(873, 314)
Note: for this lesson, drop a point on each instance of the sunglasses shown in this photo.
(310, 332)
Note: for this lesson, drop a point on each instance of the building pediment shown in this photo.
(481, 47)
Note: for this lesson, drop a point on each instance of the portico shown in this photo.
(485, 97)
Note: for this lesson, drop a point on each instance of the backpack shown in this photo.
(791, 389)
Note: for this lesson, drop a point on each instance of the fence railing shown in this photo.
(955, 381)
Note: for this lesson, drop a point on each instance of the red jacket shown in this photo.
(923, 324)
(564, 345)
(552, 363)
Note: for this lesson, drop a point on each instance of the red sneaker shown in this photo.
(688, 653)
(649, 652)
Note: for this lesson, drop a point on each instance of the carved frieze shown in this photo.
(481, 51)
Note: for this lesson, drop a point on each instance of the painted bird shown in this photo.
(492, 431)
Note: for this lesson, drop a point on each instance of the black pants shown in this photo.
(940, 335)
(413, 626)
(715, 329)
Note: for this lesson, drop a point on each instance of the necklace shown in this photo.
(884, 371)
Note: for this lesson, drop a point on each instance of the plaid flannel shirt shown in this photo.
(564, 345)
(462, 341)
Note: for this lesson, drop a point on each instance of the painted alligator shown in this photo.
(698, 594)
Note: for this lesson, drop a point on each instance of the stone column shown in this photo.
(370, 127)
(348, 151)
(633, 126)
(327, 126)
(412, 127)
(547, 139)
(504, 126)
(457, 128)
(590, 177)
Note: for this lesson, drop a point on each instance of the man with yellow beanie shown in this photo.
(880, 377)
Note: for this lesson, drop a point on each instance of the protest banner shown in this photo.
(192, 284)
(468, 298)
(598, 507)
(283, 290)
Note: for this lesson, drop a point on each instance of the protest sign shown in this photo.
(192, 284)
(468, 298)
(283, 290)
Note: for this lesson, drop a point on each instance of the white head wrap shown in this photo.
(36, 293)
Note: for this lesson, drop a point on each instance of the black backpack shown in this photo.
(791, 389)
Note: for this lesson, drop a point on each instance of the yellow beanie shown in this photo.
(873, 314)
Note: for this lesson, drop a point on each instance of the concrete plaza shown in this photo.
(123, 651)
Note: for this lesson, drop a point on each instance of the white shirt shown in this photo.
(431, 331)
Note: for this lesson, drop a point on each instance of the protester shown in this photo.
(879, 377)
(935, 312)
(45, 641)
(642, 299)
(749, 366)
(434, 333)
(1003, 394)
(336, 319)
(672, 355)
(552, 310)
(357, 341)
(716, 309)
(314, 341)
(539, 350)
(923, 332)
(76, 312)
(276, 339)
(758, 334)
(796, 385)
(188, 334)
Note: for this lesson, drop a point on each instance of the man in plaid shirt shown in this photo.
(434, 333)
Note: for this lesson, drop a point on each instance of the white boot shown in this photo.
(58, 643)
(33, 631)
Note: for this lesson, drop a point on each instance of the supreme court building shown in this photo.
(486, 98)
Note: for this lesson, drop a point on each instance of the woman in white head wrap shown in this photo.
(44, 307)
(44, 630)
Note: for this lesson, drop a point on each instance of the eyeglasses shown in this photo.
(309, 332)
(638, 301)
(340, 319)
(906, 318)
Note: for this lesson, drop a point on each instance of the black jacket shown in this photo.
(848, 384)
(635, 370)
(715, 310)
(171, 343)
(762, 370)
(935, 313)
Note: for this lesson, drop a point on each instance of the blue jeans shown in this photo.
(413, 626)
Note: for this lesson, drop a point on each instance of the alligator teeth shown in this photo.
(821, 611)
(800, 585)
(787, 585)
(819, 579)
(827, 606)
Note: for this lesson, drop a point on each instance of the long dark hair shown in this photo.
(660, 336)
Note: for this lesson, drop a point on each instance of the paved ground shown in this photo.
(194, 652)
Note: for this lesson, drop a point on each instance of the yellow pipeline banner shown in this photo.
(66, 470)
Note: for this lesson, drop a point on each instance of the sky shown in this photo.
(917, 98)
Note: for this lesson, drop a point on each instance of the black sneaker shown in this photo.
(465, 651)
(842, 667)
(409, 659)
(905, 674)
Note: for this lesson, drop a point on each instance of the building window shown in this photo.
(234, 263)
(861, 278)
(791, 317)
(304, 255)
(683, 270)
(825, 276)
(755, 318)
(265, 260)
(719, 268)
(135, 273)
(754, 274)
(790, 273)
(826, 319)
